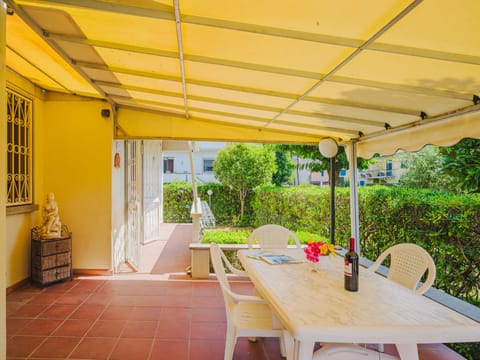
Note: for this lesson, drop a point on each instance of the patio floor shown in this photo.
(136, 316)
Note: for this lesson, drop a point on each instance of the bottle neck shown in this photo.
(352, 244)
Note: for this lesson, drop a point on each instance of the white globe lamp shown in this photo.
(328, 147)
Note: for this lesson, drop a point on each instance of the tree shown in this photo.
(244, 167)
(462, 163)
(319, 162)
(424, 169)
(285, 166)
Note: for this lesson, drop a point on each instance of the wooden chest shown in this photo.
(51, 258)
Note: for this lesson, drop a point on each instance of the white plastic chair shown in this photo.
(272, 237)
(334, 351)
(408, 263)
(247, 316)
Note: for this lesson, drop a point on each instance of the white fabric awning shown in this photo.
(386, 74)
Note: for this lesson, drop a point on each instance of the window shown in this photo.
(207, 165)
(19, 149)
(168, 166)
(389, 168)
(343, 173)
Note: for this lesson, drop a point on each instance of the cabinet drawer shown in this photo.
(47, 276)
(55, 247)
(51, 261)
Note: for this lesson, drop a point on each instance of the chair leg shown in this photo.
(230, 341)
(381, 348)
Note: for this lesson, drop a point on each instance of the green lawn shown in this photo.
(240, 236)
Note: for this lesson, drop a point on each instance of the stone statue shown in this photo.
(52, 227)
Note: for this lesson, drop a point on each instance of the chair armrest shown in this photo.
(248, 298)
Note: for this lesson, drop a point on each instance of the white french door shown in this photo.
(152, 189)
(134, 202)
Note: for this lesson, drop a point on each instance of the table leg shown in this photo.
(303, 350)
(407, 351)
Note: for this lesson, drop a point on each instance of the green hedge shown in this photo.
(225, 205)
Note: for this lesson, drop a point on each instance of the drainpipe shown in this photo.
(3, 171)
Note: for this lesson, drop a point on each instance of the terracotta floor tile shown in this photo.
(271, 346)
(208, 314)
(24, 294)
(173, 329)
(61, 286)
(211, 350)
(170, 349)
(94, 348)
(154, 290)
(151, 301)
(99, 299)
(177, 314)
(132, 349)
(206, 289)
(146, 313)
(29, 311)
(245, 350)
(88, 311)
(125, 300)
(12, 307)
(56, 347)
(168, 301)
(244, 288)
(116, 312)
(22, 346)
(72, 298)
(183, 290)
(88, 285)
(40, 327)
(140, 329)
(106, 328)
(74, 327)
(208, 330)
(44, 298)
(14, 326)
(57, 312)
(208, 301)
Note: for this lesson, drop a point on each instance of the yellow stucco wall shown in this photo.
(18, 226)
(77, 168)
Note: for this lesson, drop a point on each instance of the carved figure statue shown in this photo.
(52, 227)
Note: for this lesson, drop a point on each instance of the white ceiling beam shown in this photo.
(250, 90)
(236, 115)
(293, 132)
(316, 115)
(178, 26)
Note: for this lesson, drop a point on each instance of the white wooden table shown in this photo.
(313, 306)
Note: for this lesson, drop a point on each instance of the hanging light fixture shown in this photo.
(328, 147)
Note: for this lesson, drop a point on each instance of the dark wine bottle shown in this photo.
(351, 268)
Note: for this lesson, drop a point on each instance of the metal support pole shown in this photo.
(354, 218)
(332, 200)
(194, 182)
